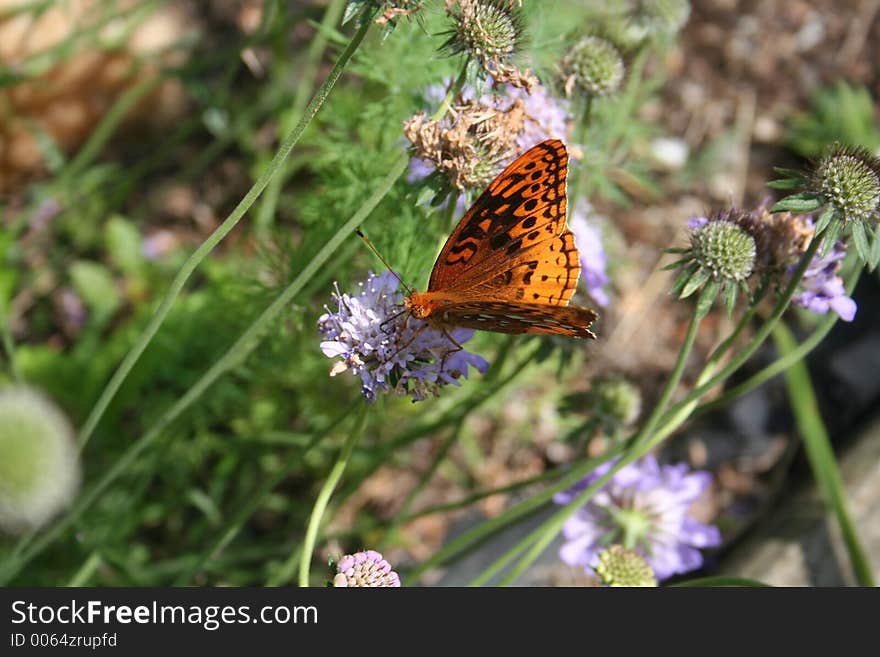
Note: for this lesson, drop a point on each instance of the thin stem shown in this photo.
(820, 454)
(424, 479)
(324, 497)
(541, 537)
(757, 340)
(523, 509)
(307, 71)
(216, 237)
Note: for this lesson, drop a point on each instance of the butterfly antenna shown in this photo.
(383, 260)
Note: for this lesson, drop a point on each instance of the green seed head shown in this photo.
(39, 471)
(594, 67)
(489, 30)
(849, 180)
(725, 249)
(621, 567)
(617, 400)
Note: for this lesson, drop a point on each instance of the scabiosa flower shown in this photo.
(821, 289)
(39, 466)
(490, 32)
(621, 567)
(594, 67)
(377, 340)
(849, 180)
(588, 239)
(722, 255)
(643, 507)
(367, 569)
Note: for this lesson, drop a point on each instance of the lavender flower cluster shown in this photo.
(377, 340)
(643, 507)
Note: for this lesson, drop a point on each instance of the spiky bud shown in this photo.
(594, 67)
(849, 180)
(725, 249)
(721, 258)
(621, 567)
(39, 469)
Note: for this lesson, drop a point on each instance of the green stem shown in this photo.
(719, 581)
(756, 341)
(221, 232)
(540, 538)
(105, 129)
(26, 551)
(525, 508)
(323, 499)
(307, 72)
(424, 479)
(820, 454)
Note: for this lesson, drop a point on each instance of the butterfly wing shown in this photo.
(518, 317)
(512, 244)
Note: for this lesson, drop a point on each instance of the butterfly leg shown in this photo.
(457, 348)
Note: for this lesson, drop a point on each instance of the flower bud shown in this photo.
(594, 67)
(621, 567)
(39, 468)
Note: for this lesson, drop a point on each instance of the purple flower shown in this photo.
(377, 339)
(366, 569)
(644, 508)
(821, 289)
(589, 244)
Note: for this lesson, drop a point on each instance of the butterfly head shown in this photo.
(421, 305)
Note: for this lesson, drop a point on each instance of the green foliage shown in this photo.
(844, 113)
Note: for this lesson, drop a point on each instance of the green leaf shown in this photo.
(827, 216)
(862, 242)
(830, 237)
(97, 288)
(875, 250)
(707, 298)
(676, 264)
(784, 183)
(123, 243)
(695, 282)
(790, 173)
(729, 293)
(425, 196)
(683, 278)
(803, 202)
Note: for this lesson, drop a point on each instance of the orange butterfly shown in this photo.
(511, 265)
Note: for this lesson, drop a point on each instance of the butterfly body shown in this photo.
(511, 265)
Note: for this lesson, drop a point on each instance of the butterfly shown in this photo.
(511, 264)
